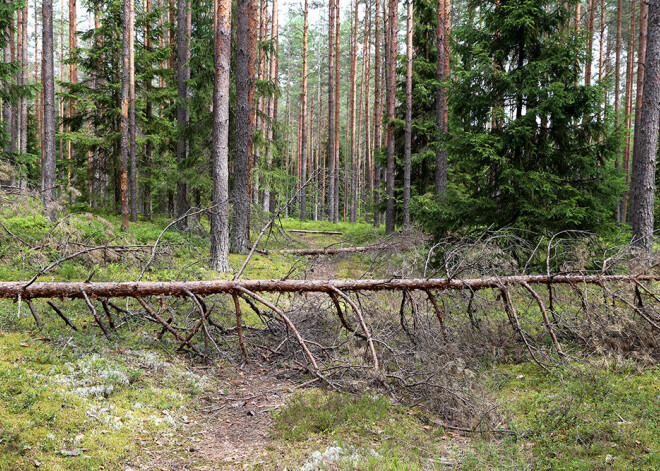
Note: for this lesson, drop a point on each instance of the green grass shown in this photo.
(374, 433)
(587, 418)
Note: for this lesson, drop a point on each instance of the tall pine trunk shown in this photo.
(628, 109)
(378, 114)
(220, 145)
(240, 198)
(642, 185)
(303, 118)
(182, 77)
(48, 156)
(131, 114)
(408, 131)
(331, 112)
(125, 133)
(440, 152)
(391, 100)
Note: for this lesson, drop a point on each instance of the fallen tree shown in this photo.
(329, 250)
(18, 289)
(303, 231)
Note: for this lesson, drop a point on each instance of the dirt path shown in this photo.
(232, 430)
(229, 431)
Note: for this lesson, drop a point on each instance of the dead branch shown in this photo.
(239, 326)
(363, 324)
(342, 319)
(548, 326)
(287, 321)
(61, 314)
(34, 312)
(155, 315)
(438, 313)
(95, 314)
(511, 312)
(302, 231)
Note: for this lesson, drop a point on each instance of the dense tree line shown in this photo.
(532, 114)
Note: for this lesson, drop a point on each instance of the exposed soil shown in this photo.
(229, 431)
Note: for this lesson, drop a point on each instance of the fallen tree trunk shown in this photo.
(329, 250)
(18, 289)
(302, 231)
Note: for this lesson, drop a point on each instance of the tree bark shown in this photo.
(617, 91)
(7, 108)
(240, 196)
(408, 131)
(220, 146)
(440, 152)
(378, 114)
(628, 110)
(642, 185)
(48, 157)
(148, 145)
(182, 77)
(391, 100)
(331, 111)
(12, 289)
(335, 218)
(351, 195)
(303, 118)
(590, 41)
(125, 126)
(131, 113)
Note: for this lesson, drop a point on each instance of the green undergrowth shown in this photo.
(603, 416)
(366, 431)
(65, 407)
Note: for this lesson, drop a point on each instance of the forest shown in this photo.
(369, 234)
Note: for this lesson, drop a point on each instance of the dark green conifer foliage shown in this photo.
(527, 147)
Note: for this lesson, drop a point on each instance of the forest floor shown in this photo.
(76, 401)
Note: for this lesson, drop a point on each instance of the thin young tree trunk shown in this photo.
(148, 146)
(617, 91)
(335, 218)
(590, 42)
(391, 97)
(240, 198)
(24, 81)
(73, 68)
(367, 79)
(331, 111)
(351, 180)
(628, 109)
(642, 185)
(125, 126)
(272, 112)
(18, 124)
(48, 162)
(303, 118)
(7, 108)
(408, 131)
(182, 78)
(641, 71)
(440, 152)
(12, 111)
(37, 66)
(220, 146)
